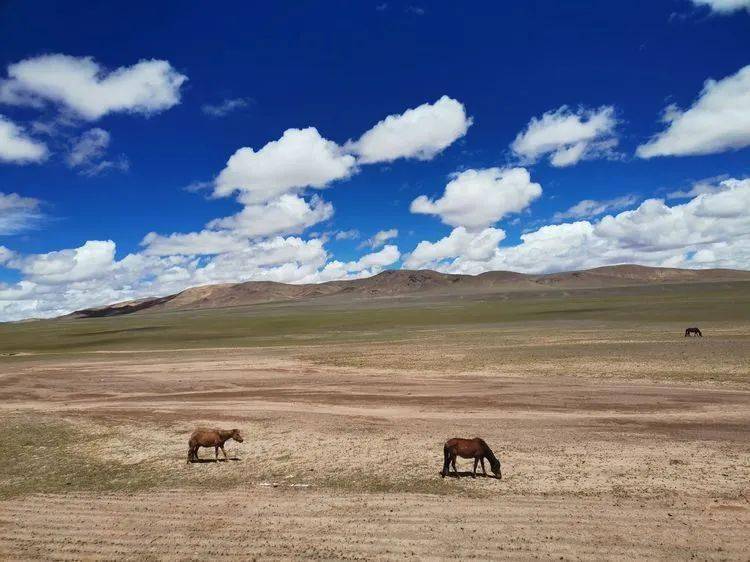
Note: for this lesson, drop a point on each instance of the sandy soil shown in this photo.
(342, 462)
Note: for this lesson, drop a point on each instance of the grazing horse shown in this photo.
(211, 438)
(693, 332)
(475, 449)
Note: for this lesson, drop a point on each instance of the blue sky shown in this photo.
(527, 120)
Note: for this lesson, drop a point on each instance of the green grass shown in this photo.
(45, 454)
(315, 322)
(42, 454)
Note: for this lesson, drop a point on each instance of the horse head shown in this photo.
(495, 467)
(237, 436)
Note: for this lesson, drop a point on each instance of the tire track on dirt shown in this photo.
(252, 522)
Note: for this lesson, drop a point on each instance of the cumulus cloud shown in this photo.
(289, 260)
(82, 86)
(705, 186)
(59, 282)
(591, 208)
(205, 242)
(724, 6)
(90, 261)
(478, 198)
(18, 213)
(301, 158)
(717, 122)
(421, 133)
(289, 214)
(367, 265)
(380, 238)
(710, 230)
(224, 107)
(475, 246)
(568, 136)
(16, 146)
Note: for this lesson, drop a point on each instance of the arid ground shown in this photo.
(618, 437)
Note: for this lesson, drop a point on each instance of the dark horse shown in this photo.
(475, 449)
(693, 332)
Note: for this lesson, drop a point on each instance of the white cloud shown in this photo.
(718, 121)
(710, 230)
(82, 86)
(352, 234)
(478, 198)
(300, 158)
(475, 246)
(724, 6)
(16, 146)
(6, 255)
(421, 133)
(224, 107)
(18, 213)
(588, 208)
(380, 238)
(386, 256)
(59, 282)
(367, 265)
(289, 214)
(90, 146)
(701, 187)
(568, 136)
(205, 242)
(288, 260)
(92, 260)
(88, 151)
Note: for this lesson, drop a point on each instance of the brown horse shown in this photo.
(211, 438)
(693, 332)
(475, 449)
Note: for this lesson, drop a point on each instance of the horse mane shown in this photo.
(494, 462)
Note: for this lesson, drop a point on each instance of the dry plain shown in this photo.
(619, 438)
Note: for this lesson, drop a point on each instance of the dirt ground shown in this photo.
(343, 449)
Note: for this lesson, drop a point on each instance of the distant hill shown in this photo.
(393, 283)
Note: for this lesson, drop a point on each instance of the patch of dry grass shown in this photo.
(600, 351)
(49, 454)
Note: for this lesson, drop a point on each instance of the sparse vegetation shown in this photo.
(599, 409)
(379, 321)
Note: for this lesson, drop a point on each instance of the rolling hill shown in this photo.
(394, 283)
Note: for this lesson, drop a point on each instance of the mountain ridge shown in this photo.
(393, 283)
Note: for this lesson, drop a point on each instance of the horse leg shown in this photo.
(453, 462)
(446, 462)
(223, 451)
(474, 473)
(216, 452)
(484, 470)
(190, 455)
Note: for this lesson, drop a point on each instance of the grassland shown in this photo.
(619, 437)
(382, 320)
